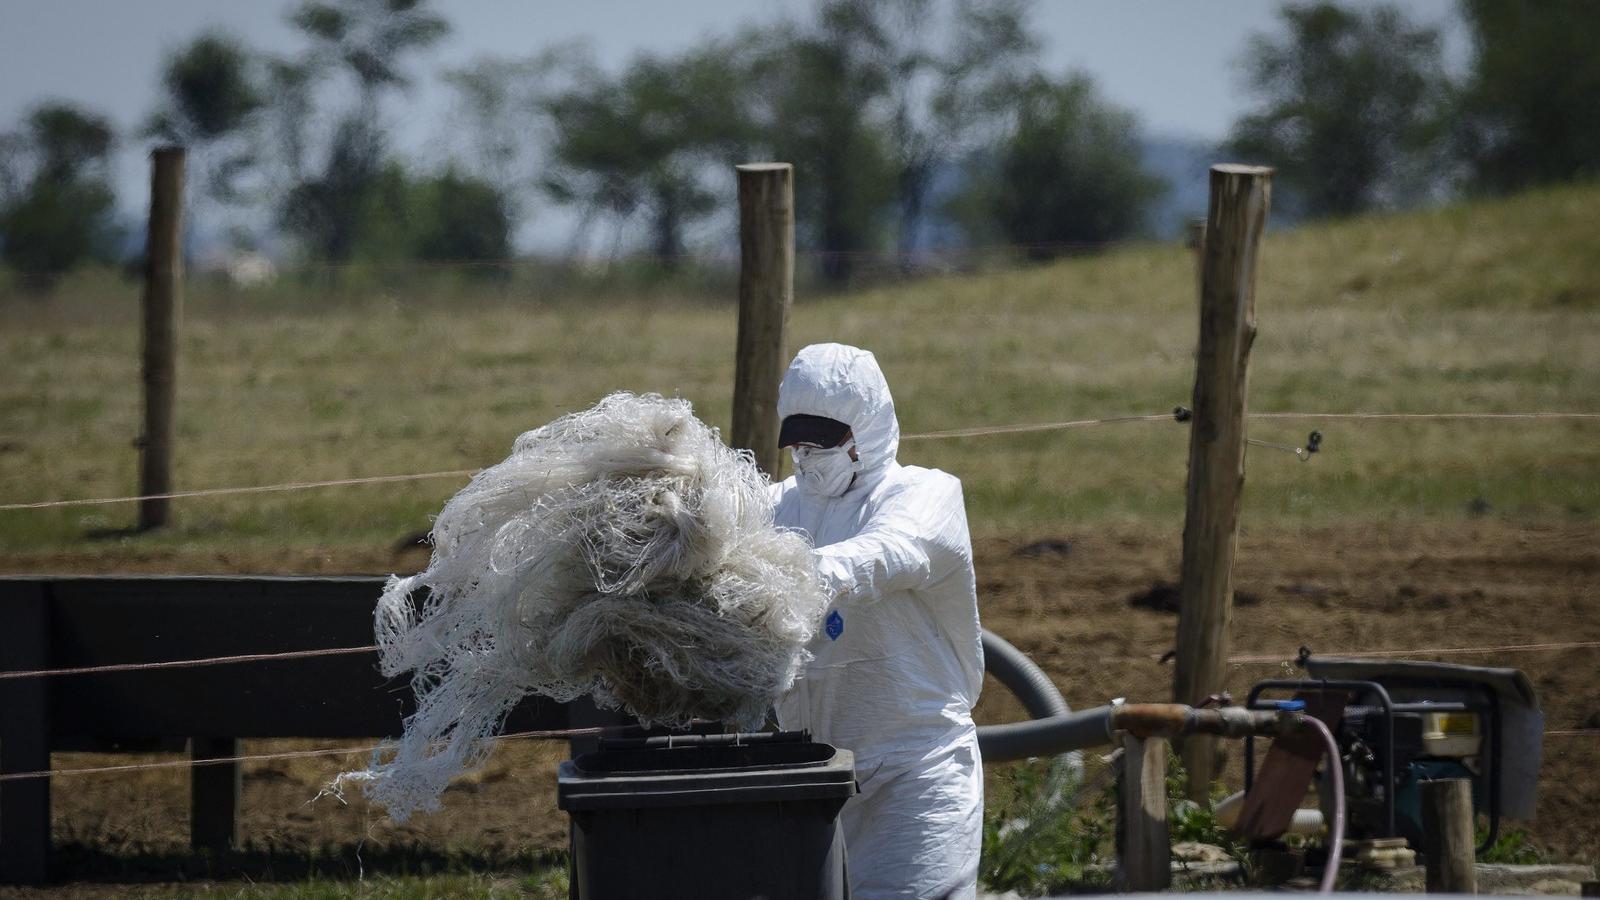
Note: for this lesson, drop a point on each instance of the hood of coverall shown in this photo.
(844, 383)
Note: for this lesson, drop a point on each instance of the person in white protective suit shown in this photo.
(898, 663)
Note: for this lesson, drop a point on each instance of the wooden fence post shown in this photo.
(1145, 858)
(1235, 219)
(24, 734)
(214, 795)
(1447, 836)
(766, 291)
(163, 286)
(1195, 240)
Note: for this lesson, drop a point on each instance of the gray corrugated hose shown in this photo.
(1069, 734)
(1052, 730)
(1012, 668)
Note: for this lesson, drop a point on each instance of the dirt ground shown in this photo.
(1063, 598)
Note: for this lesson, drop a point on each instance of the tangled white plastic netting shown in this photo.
(624, 552)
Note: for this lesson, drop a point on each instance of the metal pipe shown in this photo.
(1147, 720)
(1096, 727)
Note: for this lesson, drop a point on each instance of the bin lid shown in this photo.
(702, 774)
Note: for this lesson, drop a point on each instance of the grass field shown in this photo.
(1465, 532)
(1485, 308)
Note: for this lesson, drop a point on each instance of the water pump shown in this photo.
(1398, 724)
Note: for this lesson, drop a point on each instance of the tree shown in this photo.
(944, 100)
(449, 217)
(328, 212)
(647, 141)
(55, 196)
(1349, 107)
(819, 107)
(458, 217)
(211, 100)
(291, 85)
(502, 122)
(1531, 107)
(872, 98)
(1068, 171)
(370, 39)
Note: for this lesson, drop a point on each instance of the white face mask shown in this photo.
(828, 472)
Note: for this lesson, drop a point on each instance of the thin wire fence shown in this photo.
(561, 734)
(977, 431)
(251, 489)
(924, 259)
(568, 733)
(1436, 417)
(1422, 651)
(200, 662)
(542, 735)
(186, 663)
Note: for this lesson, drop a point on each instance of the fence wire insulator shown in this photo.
(1300, 453)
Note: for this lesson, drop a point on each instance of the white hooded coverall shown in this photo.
(898, 663)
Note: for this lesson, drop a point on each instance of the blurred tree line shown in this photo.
(896, 113)
(1356, 111)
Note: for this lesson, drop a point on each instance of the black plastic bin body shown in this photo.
(708, 820)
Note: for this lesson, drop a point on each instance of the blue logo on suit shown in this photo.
(834, 625)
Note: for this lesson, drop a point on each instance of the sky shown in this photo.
(1170, 61)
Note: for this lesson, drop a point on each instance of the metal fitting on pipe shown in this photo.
(1148, 720)
(1236, 721)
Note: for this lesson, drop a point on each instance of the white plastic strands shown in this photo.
(623, 552)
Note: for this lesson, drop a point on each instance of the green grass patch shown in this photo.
(1487, 307)
(1046, 832)
(1513, 846)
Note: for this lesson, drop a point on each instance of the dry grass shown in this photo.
(1490, 307)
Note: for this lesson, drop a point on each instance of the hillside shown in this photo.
(1490, 307)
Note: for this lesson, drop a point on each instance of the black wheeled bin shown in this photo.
(708, 816)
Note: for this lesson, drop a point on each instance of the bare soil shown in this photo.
(1077, 602)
